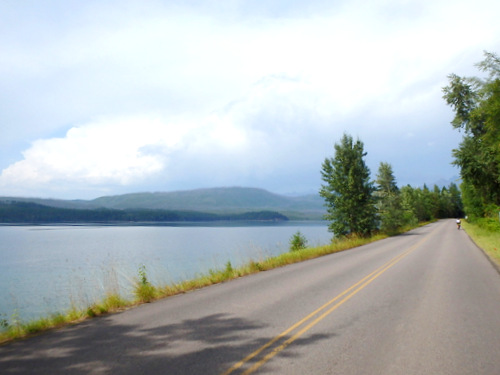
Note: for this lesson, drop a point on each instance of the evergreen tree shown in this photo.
(437, 206)
(455, 202)
(389, 206)
(347, 191)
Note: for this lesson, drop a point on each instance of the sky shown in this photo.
(111, 97)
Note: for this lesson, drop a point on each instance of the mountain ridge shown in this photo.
(215, 200)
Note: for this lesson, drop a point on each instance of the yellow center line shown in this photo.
(299, 323)
(348, 293)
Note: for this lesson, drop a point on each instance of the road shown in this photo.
(427, 302)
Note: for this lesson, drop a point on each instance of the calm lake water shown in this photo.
(46, 269)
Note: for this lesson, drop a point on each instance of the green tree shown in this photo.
(476, 103)
(421, 204)
(455, 201)
(425, 204)
(389, 206)
(450, 202)
(473, 203)
(347, 191)
(438, 204)
(407, 204)
(417, 201)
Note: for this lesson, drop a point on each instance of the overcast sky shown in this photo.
(108, 97)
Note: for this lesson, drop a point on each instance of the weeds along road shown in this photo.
(426, 302)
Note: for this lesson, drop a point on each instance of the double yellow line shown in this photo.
(309, 321)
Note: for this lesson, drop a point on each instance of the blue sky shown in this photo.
(108, 97)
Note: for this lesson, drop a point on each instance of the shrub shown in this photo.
(229, 271)
(144, 290)
(298, 242)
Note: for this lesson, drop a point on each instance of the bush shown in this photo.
(489, 224)
(298, 242)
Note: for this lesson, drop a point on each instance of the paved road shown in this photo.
(427, 302)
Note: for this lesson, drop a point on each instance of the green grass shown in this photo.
(486, 237)
(145, 292)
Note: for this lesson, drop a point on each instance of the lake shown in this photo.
(46, 269)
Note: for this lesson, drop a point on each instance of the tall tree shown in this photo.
(476, 103)
(408, 204)
(389, 205)
(452, 201)
(347, 191)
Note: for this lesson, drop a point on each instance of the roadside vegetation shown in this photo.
(486, 234)
(298, 242)
(476, 103)
(357, 206)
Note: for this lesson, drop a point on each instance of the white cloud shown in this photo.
(106, 151)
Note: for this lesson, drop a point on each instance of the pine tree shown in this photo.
(347, 191)
(389, 205)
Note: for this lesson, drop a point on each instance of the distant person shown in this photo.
(458, 223)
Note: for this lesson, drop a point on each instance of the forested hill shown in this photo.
(214, 199)
(26, 212)
(218, 202)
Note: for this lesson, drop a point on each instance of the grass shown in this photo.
(15, 328)
(486, 237)
(144, 291)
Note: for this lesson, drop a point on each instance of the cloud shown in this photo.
(106, 151)
(162, 95)
(281, 129)
(253, 136)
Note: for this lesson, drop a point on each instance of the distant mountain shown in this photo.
(14, 212)
(213, 200)
(210, 199)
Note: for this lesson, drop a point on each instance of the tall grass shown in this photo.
(144, 291)
(486, 237)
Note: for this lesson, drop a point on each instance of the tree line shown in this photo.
(357, 205)
(26, 212)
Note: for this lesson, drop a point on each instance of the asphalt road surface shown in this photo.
(427, 302)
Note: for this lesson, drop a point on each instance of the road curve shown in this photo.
(426, 302)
